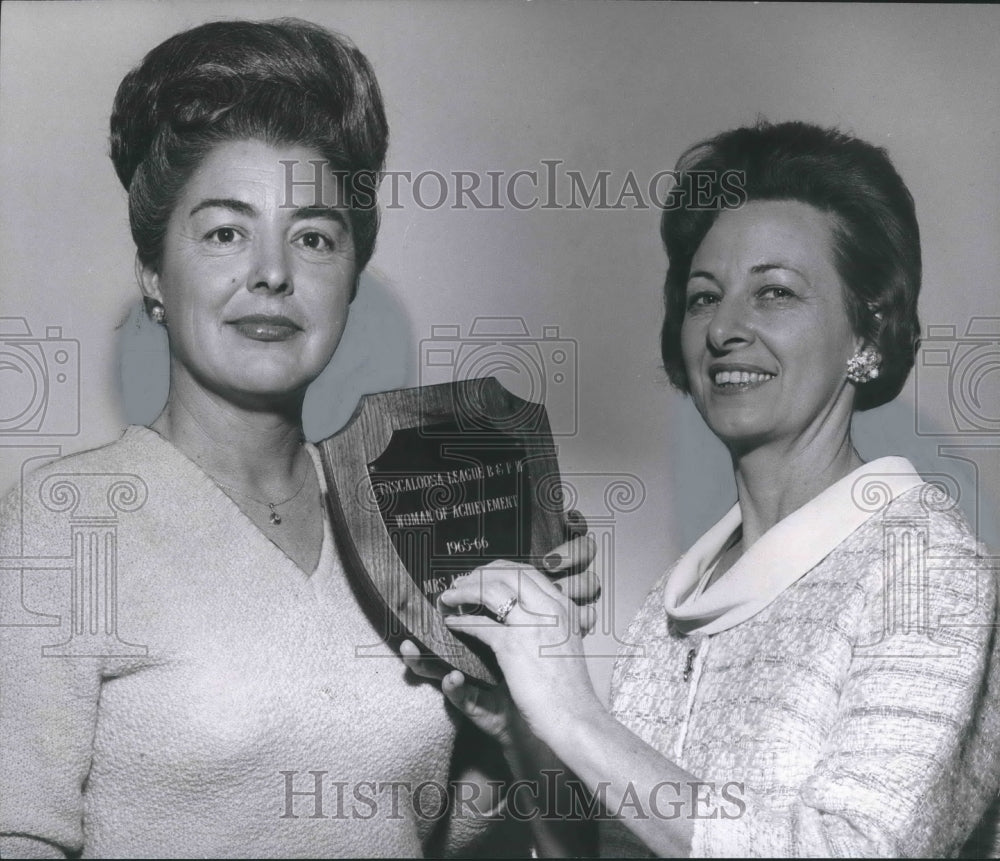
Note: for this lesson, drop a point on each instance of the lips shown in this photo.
(265, 327)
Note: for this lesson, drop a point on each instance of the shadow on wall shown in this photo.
(376, 353)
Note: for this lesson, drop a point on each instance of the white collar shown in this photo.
(781, 555)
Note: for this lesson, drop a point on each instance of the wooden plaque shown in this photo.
(429, 483)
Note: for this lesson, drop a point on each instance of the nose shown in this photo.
(729, 327)
(270, 271)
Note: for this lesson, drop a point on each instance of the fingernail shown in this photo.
(553, 561)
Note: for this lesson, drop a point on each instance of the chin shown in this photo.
(740, 436)
(276, 378)
(267, 389)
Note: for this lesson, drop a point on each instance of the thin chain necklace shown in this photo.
(275, 518)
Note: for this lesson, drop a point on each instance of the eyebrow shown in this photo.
(239, 206)
(759, 269)
(701, 273)
(330, 212)
(243, 208)
(768, 267)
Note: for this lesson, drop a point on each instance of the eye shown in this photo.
(702, 299)
(223, 235)
(775, 291)
(315, 241)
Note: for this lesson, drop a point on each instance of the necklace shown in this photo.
(275, 518)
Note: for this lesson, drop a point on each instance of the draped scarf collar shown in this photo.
(783, 554)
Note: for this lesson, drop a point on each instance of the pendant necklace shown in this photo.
(275, 518)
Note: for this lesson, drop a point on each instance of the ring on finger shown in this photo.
(503, 611)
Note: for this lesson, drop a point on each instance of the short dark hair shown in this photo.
(284, 81)
(876, 237)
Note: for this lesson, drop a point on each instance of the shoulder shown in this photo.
(919, 554)
(922, 518)
(924, 531)
(112, 470)
(126, 451)
(933, 511)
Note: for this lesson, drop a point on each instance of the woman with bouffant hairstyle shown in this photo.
(233, 698)
(279, 82)
(876, 240)
(818, 675)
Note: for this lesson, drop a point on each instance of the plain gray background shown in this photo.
(502, 86)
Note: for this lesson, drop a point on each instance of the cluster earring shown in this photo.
(157, 312)
(863, 366)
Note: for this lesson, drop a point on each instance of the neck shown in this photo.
(256, 451)
(774, 480)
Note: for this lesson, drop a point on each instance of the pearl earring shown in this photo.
(157, 312)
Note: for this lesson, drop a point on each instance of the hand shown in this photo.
(538, 644)
(568, 566)
(493, 711)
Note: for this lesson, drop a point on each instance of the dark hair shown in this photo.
(284, 82)
(876, 238)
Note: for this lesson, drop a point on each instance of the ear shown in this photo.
(148, 279)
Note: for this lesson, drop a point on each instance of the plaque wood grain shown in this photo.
(480, 408)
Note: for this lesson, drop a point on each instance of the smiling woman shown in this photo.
(766, 335)
(255, 289)
(818, 674)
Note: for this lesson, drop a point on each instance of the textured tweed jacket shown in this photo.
(837, 690)
(172, 685)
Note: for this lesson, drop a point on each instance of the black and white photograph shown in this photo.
(523, 428)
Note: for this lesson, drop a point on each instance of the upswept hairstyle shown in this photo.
(284, 81)
(876, 237)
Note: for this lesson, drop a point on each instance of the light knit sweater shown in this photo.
(234, 686)
(838, 687)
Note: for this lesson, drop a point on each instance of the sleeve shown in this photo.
(48, 703)
(911, 762)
